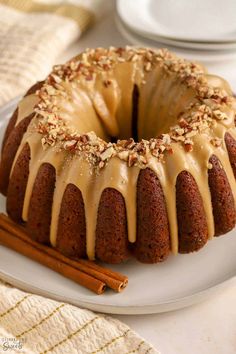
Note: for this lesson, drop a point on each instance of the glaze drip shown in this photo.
(180, 118)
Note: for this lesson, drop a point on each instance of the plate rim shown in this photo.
(188, 53)
(191, 45)
(165, 306)
(120, 4)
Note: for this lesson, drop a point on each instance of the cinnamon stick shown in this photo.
(122, 279)
(28, 250)
(114, 280)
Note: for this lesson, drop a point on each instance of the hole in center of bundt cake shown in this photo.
(148, 118)
(145, 111)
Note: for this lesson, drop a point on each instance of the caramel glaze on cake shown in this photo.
(123, 152)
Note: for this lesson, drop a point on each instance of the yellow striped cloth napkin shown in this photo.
(33, 33)
(34, 324)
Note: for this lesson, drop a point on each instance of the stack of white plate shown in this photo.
(204, 30)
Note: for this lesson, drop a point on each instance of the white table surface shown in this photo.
(206, 328)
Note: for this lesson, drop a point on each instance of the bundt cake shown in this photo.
(121, 152)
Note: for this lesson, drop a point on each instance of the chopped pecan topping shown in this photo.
(202, 114)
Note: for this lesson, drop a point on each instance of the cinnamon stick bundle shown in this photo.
(84, 272)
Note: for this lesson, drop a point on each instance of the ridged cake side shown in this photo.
(111, 230)
(144, 199)
(231, 148)
(153, 237)
(17, 185)
(222, 199)
(39, 214)
(71, 233)
(192, 223)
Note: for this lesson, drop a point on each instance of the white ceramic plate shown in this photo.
(202, 56)
(203, 46)
(178, 282)
(195, 21)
